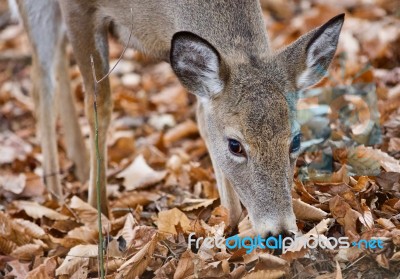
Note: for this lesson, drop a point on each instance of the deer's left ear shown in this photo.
(197, 64)
(310, 56)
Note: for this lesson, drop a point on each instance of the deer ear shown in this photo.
(197, 64)
(311, 55)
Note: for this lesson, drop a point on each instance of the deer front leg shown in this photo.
(75, 144)
(44, 53)
(88, 40)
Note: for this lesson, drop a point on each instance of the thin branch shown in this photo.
(122, 54)
(96, 139)
(98, 158)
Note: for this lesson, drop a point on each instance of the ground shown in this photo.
(160, 179)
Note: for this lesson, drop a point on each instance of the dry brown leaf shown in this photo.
(245, 225)
(121, 146)
(382, 260)
(362, 184)
(13, 183)
(265, 274)
(348, 254)
(136, 265)
(135, 198)
(366, 218)
(218, 215)
(141, 235)
(317, 231)
(77, 257)
(27, 252)
(167, 270)
(176, 93)
(344, 214)
(86, 234)
(183, 130)
(37, 211)
(185, 267)
(394, 144)
(268, 261)
(303, 193)
(386, 223)
(338, 271)
(139, 175)
(7, 246)
(167, 220)
(12, 147)
(19, 269)
(44, 271)
(304, 211)
(214, 270)
(34, 186)
(127, 230)
(365, 159)
(192, 204)
(395, 257)
(30, 228)
(396, 237)
(6, 225)
(88, 214)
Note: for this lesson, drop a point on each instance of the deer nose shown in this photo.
(275, 226)
(283, 235)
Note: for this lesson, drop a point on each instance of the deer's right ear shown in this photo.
(197, 64)
(309, 57)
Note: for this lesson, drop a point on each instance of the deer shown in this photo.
(220, 52)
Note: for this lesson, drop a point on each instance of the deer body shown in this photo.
(219, 51)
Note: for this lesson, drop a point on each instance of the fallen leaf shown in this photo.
(12, 147)
(167, 270)
(386, 223)
(344, 214)
(88, 214)
(135, 266)
(44, 271)
(37, 211)
(265, 274)
(338, 271)
(27, 252)
(304, 211)
(167, 220)
(30, 228)
(180, 131)
(77, 258)
(382, 260)
(366, 218)
(365, 159)
(19, 269)
(139, 175)
(185, 268)
(192, 204)
(13, 183)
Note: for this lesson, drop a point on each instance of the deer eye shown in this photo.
(235, 147)
(295, 145)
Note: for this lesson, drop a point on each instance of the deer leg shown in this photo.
(75, 145)
(88, 40)
(43, 33)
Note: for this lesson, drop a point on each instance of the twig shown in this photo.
(122, 54)
(96, 139)
(98, 158)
